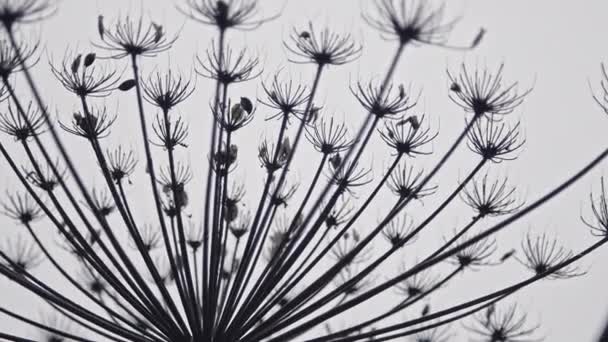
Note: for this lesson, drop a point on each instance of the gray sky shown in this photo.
(554, 46)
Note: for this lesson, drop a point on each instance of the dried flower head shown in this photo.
(47, 177)
(170, 133)
(483, 92)
(322, 48)
(281, 194)
(166, 90)
(495, 141)
(84, 77)
(150, 238)
(20, 254)
(599, 208)
(398, 229)
(273, 158)
(328, 137)
(235, 116)
(411, 22)
(408, 135)
(507, 325)
(225, 14)
(405, 183)
(22, 126)
(15, 60)
(417, 284)
(133, 37)
(285, 97)
(349, 176)
(475, 255)
(489, 198)
(338, 215)
(173, 185)
(93, 125)
(182, 174)
(121, 163)
(24, 11)
(228, 67)
(103, 203)
(381, 101)
(21, 207)
(542, 253)
(224, 160)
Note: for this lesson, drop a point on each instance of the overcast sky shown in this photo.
(554, 46)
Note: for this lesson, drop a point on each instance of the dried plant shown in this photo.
(214, 264)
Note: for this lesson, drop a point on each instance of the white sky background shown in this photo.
(555, 46)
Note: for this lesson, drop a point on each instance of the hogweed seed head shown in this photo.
(484, 92)
(502, 325)
(542, 253)
(381, 101)
(16, 59)
(21, 207)
(491, 198)
(167, 90)
(92, 125)
(83, 78)
(22, 126)
(495, 141)
(328, 137)
(411, 22)
(132, 37)
(406, 184)
(285, 97)
(408, 136)
(24, 11)
(321, 47)
(226, 14)
(228, 67)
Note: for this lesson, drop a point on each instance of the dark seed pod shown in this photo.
(158, 32)
(127, 85)
(100, 27)
(89, 59)
(507, 255)
(425, 310)
(76, 64)
(478, 38)
(246, 104)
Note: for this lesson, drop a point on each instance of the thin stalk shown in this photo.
(319, 303)
(73, 201)
(207, 306)
(132, 228)
(298, 213)
(182, 237)
(422, 266)
(87, 252)
(397, 308)
(157, 202)
(497, 294)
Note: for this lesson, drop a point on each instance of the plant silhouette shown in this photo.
(285, 265)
